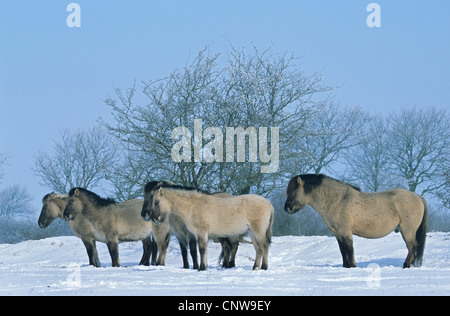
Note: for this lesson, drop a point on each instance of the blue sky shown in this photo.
(54, 77)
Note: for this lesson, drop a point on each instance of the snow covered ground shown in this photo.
(297, 266)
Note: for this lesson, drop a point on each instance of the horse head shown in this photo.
(52, 207)
(74, 205)
(151, 210)
(296, 196)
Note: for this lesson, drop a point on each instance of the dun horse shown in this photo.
(208, 216)
(185, 237)
(347, 211)
(53, 206)
(106, 221)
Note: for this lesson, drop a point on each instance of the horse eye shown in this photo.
(156, 203)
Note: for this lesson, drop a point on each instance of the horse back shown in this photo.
(127, 208)
(379, 213)
(401, 199)
(233, 215)
(258, 210)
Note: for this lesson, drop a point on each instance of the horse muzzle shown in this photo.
(69, 217)
(149, 215)
(146, 215)
(156, 220)
(290, 211)
(43, 224)
(292, 207)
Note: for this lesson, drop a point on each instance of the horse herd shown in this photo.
(194, 216)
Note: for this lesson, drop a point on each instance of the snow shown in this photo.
(297, 266)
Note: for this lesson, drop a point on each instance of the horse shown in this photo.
(348, 211)
(208, 216)
(185, 237)
(53, 206)
(110, 222)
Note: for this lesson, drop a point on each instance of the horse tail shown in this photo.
(421, 235)
(269, 228)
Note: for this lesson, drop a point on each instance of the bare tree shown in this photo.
(251, 90)
(331, 134)
(368, 163)
(129, 176)
(14, 202)
(443, 191)
(273, 91)
(418, 141)
(83, 159)
(146, 129)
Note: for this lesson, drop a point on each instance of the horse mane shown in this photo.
(53, 195)
(155, 185)
(46, 197)
(96, 199)
(312, 181)
(348, 184)
(152, 185)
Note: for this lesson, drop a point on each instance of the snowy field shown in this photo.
(297, 266)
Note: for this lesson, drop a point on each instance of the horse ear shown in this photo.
(52, 195)
(76, 193)
(300, 181)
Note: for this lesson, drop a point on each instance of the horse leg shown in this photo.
(234, 241)
(113, 248)
(259, 253)
(163, 244)
(411, 244)
(262, 252)
(410, 257)
(154, 251)
(147, 245)
(203, 247)
(184, 253)
(226, 251)
(346, 247)
(193, 251)
(265, 258)
(258, 250)
(91, 250)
